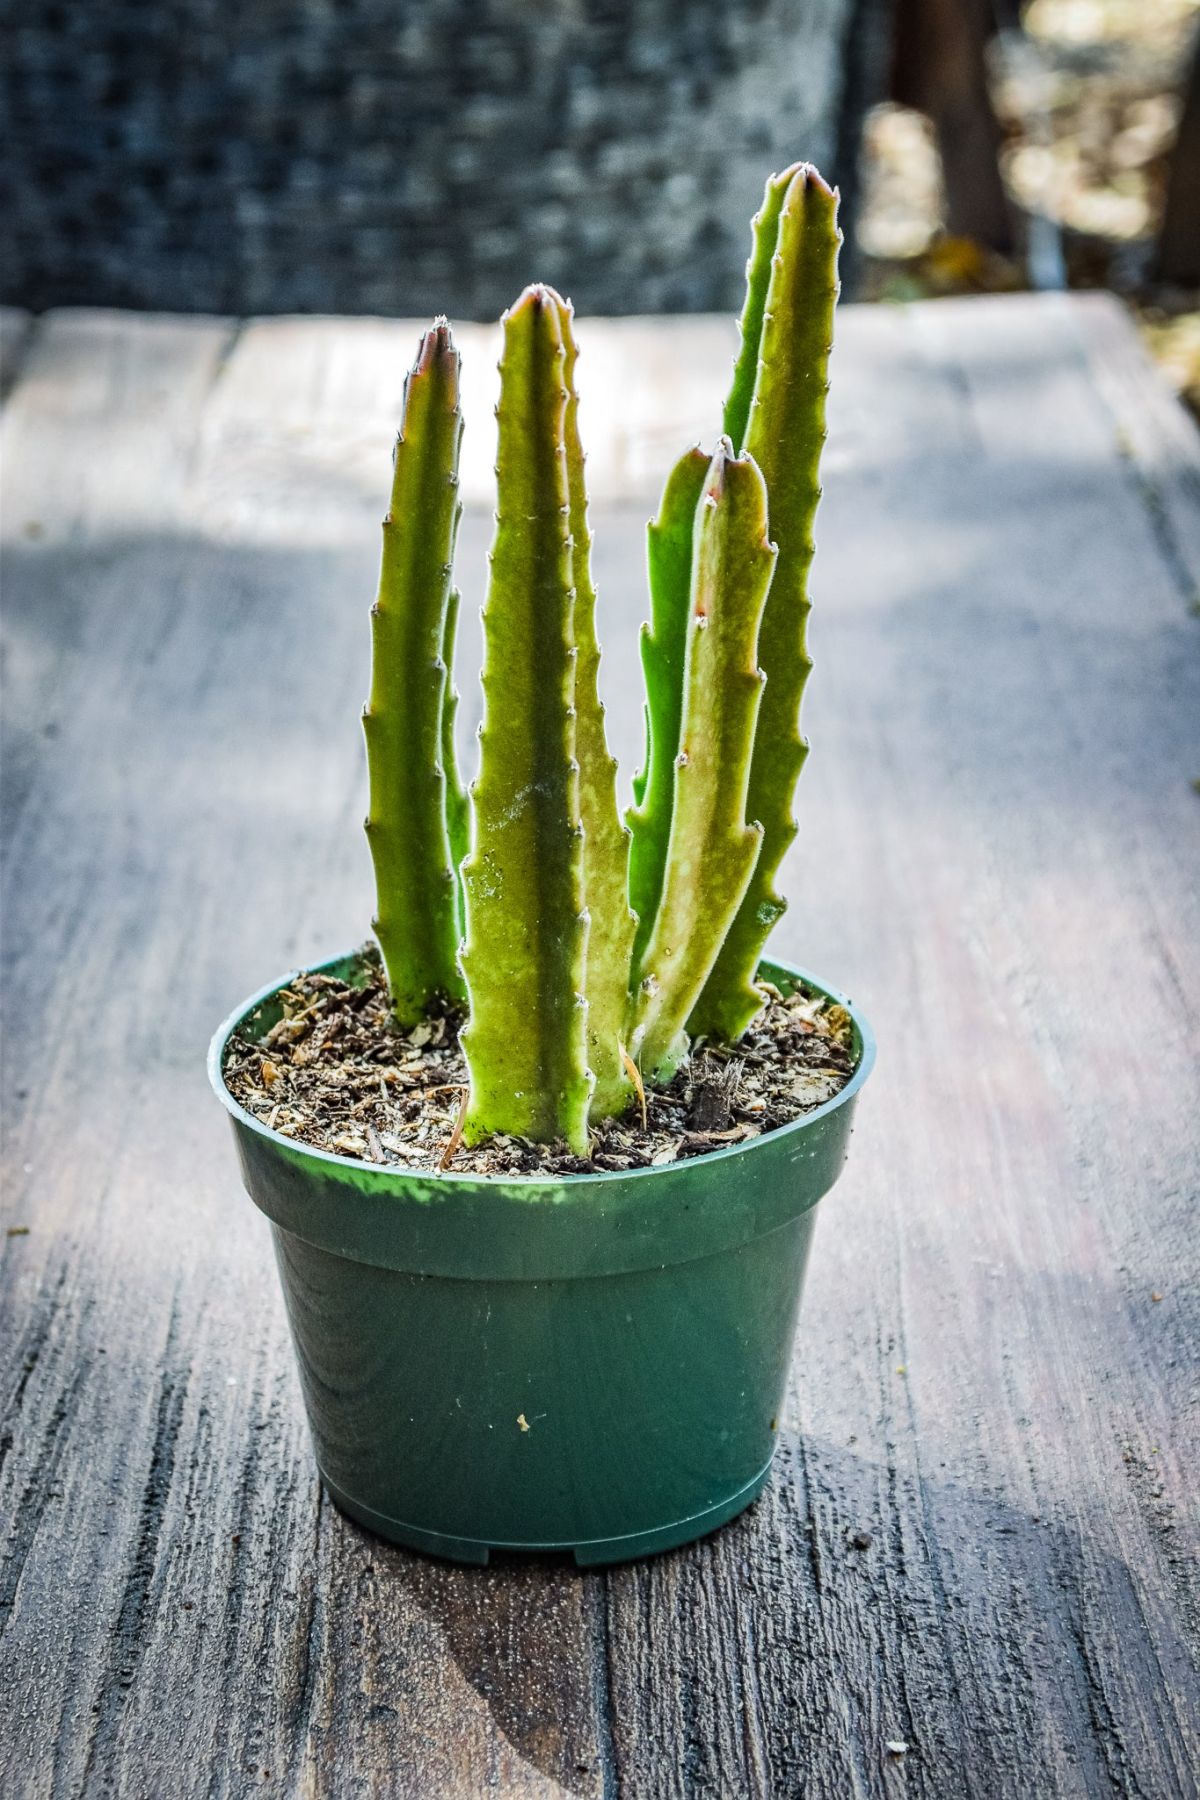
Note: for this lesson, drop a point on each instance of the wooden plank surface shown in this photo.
(998, 857)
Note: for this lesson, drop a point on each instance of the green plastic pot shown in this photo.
(593, 1364)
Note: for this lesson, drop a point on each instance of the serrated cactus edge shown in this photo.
(785, 434)
(664, 649)
(409, 738)
(606, 838)
(711, 850)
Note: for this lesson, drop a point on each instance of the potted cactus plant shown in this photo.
(507, 1337)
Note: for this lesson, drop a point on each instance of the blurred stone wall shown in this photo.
(410, 156)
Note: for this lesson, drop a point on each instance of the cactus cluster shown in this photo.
(591, 950)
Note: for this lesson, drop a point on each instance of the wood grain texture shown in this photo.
(998, 857)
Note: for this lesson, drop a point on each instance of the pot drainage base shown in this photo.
(595, 1551)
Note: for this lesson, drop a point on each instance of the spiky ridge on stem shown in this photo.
(712, 851)
(458, 810)
(408, 720)
(524, 955)
(785, 433)
(664, 650)
(611, 924)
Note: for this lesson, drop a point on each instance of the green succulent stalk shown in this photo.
(408, 720)
(578, 940)
(664, 649)
(711, 850)
(524, 955)
(787, 332)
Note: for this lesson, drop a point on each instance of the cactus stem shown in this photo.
(711, 851)
(524, 953)
(779, 390)
(403, 720)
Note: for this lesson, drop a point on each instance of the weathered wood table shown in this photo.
(995, 1381)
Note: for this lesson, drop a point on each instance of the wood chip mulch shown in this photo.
(334, 1072)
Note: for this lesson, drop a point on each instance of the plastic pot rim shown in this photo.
(301, 1151)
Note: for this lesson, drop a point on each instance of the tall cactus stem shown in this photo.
(524, 954)
(712, 850)
(785, 433)
(664, 648)
(410, 778)
(764, 229)
(606, 838)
